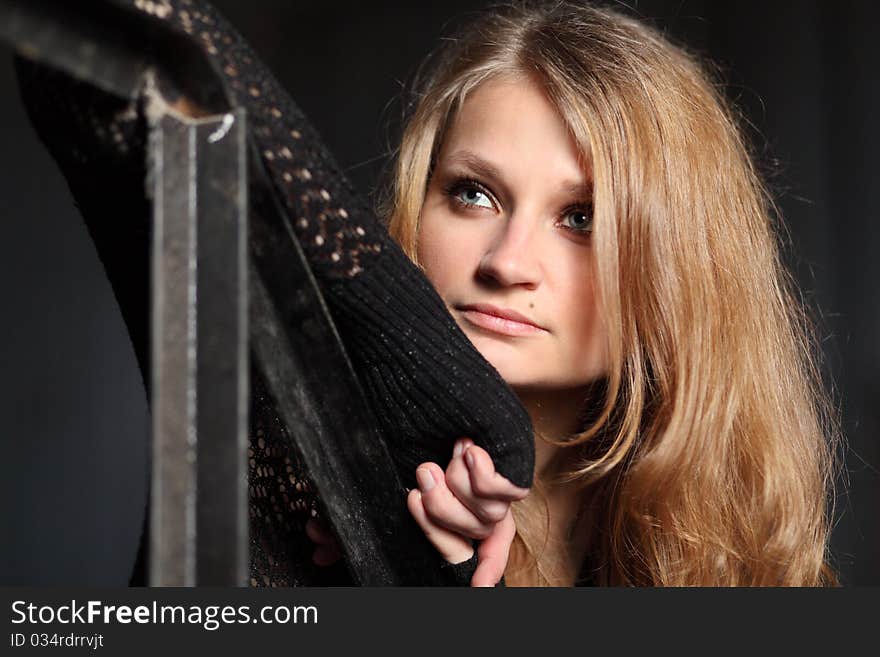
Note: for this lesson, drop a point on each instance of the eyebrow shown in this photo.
(486, 169)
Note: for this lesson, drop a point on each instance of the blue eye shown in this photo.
(579, 220)
(470, 195)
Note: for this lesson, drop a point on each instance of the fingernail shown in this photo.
(425, 478)
(469, 458)
(459, 447)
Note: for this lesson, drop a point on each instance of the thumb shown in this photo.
(493, 552)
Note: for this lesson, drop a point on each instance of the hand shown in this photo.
(327, 550)
(467, 501)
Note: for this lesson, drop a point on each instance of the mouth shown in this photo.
(500, 320)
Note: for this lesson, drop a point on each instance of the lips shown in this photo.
(500, 320)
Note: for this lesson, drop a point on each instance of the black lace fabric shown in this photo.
(281, 500)
(310, 183)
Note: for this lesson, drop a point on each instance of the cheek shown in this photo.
(586, 338)
(430, 256)
(443, 252)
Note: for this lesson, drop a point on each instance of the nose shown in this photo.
(511, 258)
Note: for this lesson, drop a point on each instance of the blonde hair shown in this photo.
(708, 457)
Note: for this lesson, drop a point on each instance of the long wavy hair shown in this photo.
(707, 455)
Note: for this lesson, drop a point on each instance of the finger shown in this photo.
(318, 532)
(494, 552)
(326, 555)
(458, 480)
(453, 547)
(443, 508)
(327, 550)
(485, 481)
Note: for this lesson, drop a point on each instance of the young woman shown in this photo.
(581, 199)
(580, 195)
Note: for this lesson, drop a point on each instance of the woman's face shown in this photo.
(504, 236)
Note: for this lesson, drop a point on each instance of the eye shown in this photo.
(578, 220)
(473, 196)
(470, 193)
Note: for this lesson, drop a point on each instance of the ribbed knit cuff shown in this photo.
(462, 571)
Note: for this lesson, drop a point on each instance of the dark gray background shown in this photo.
(73, 414)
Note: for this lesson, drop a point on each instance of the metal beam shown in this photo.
(199, 352)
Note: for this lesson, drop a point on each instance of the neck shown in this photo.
(555, 415)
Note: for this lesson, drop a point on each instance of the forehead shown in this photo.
(510, 121)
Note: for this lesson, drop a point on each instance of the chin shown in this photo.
(513, 366)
